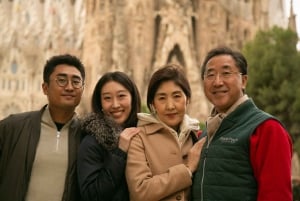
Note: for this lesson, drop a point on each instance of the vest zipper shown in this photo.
(204, 164)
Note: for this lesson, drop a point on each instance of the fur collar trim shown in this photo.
(104, 129)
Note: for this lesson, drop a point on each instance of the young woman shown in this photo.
(160, 159)
(108, 131)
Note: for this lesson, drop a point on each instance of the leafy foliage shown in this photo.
(274, 75)
(144, 108)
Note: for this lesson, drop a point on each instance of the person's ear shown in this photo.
(45, 88)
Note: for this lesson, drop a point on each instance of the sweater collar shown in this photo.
(187, 125)
(215, 119)
(47, 119)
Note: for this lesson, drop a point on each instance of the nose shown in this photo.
(69, 85)
(170, 104)
(115, 103)
(218, 80)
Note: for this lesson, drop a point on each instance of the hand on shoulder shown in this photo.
(126, 136)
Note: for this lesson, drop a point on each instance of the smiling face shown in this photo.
(63, 97)
(116, 101)
(170, 104)
(223, 91)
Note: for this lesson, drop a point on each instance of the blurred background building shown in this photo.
(134, 36)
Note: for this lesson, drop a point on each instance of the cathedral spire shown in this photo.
(292, 18)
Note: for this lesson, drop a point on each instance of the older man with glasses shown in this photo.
(247, 156)
(38, 149)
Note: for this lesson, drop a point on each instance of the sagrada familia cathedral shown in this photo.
(134, 36)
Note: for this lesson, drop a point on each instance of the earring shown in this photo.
(153, 110)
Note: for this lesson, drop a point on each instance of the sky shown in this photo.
(296, 5)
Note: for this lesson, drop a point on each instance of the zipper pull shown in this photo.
(57, 140)
(58, 134)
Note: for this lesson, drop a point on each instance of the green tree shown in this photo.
(274, 75)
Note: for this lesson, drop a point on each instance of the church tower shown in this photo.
(134, 36)
(292, 18)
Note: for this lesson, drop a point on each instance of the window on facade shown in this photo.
(14, 67)
(246, 34)
(194, 27)
(213, 11)
(102, 5)
(157, 28)
(27, 17)
(176, 56)
(227, 22)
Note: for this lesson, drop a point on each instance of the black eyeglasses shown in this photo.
(63, 81)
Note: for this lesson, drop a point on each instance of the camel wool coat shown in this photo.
(156, 160)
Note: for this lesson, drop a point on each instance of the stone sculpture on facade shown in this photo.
(134, 36)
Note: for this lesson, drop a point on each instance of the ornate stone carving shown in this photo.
(134, 36)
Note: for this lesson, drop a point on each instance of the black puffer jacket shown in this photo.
(101, 164)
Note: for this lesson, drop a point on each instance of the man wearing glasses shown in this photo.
(247, 156)
(38, 149)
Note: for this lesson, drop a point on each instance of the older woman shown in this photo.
(161, 159)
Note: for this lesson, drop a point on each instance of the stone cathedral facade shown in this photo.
(134, 36)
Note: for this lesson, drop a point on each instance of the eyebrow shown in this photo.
(67, 75)
(222, 67)
(226, 67)
(120, 91)
(164, 93)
